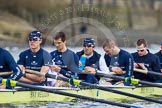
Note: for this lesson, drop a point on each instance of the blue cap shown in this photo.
(34, 34)
(89, 41)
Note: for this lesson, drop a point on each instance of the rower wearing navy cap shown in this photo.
(34, 58)
(94, 61)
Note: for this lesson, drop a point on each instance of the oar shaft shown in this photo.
(154, 73)
(122, 93)
(5, 73)
(150, 83)
(105, 89)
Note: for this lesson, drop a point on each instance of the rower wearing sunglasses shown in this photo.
(34, 58)
(145, 60)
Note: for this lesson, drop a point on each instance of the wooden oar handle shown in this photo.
(140, 71)
(5, 73)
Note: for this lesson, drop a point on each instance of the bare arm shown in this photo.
(38, 78)
(24, 78)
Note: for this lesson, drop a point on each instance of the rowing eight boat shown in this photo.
(21, 95)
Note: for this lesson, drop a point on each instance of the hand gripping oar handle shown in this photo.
(16, 83)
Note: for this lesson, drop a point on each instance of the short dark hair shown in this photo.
(141, 41)
(60, 35)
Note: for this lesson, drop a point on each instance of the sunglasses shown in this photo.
(140, 50)
(34, 39)
(87, 45)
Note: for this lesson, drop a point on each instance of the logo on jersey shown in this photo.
(26, 57)
(116, 64)
(34, 63)
(59, 62)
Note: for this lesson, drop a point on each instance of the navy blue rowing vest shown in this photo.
(92, 61)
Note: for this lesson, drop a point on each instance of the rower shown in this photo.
(119, 61)
(145, 60)
(34, 58)
(94, 62)
(7, 63)
(64, 61)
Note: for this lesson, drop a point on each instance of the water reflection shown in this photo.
(85, 104)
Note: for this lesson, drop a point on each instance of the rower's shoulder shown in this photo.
(134, 54)
(53, 52)
(3, 50)
(27, 51)
(125, 53)
(80, 52)
(69, 53)
(44, 51)
(5, 54)
(158, 53)
(152, 55)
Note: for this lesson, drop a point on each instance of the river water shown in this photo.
(80, 104)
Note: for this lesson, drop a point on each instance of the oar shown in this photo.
(131, 80)
(78, 82)
(147, 72)
(5, 73)
(16, 83)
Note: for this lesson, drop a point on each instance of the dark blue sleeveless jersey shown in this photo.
(92, 61)
(68, 61)
(159, 54)
(7, 63)
(124, 60)
(151, 62)
(34, 61)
